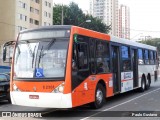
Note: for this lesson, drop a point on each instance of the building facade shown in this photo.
(124, 22)
(107, 10)
(17, 15)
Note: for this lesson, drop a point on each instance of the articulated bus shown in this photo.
(68, 66)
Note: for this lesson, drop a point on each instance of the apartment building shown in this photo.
(17, 15)
(124, 22)
(107, 10)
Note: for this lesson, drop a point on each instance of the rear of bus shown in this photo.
(41, 68)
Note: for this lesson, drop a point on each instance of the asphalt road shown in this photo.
(128, 106)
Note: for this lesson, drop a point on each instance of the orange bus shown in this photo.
(68, 66)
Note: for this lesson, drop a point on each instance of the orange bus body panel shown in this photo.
(82, 95)
(85, 92)
(67, 86)
(90, 33)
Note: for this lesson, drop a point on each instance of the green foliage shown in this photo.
(73, 15)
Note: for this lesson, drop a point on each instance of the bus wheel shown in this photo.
(143, 85)
(148, 83)
(99, 97)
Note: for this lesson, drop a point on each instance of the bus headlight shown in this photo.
(15, 88)
(59, 89)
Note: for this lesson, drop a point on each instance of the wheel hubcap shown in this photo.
(99, 96)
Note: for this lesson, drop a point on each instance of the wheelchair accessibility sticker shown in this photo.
(39, 72)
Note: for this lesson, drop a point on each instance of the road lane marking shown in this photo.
(120, 104)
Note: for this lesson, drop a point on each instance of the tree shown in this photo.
(73, 15)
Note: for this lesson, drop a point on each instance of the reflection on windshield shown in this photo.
(48, 59)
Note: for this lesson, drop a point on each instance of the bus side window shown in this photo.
(92, 56)
(82, 56)
(102, 57)
(155, 57)
(126, 61)
(151, 57)
(74, 58)
(146, 57)
(140, 56)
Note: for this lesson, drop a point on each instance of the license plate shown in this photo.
(33, 96)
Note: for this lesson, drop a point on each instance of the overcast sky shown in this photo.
(144, 15)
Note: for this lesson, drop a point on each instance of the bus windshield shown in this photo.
(43, 58)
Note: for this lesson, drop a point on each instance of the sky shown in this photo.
(144, 16)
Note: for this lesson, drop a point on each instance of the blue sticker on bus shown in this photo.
(39, 72)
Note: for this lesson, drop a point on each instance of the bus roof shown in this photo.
(113, 38)
(47, 28)
(132, 43)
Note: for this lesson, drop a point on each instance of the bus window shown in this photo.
(74, 58)
(151, 57)
(146, 57)
(102, 57)
(82, 56)
(126, 62)
(140, 56)
(92, 56)
(155, 57)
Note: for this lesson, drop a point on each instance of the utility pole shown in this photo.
(62, 16)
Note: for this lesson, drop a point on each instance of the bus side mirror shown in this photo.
(8, 51)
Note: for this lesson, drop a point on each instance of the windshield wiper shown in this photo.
(33, 55)
(40, 56)
(29, 47)
(51, 43)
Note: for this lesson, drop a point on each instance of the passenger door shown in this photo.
(134, 66)
(80, 62)
(115, 57)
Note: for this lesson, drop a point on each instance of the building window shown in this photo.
(49, 15)
(22, 5)
(37, 11)
(31, 20)
(24, 18)
(37, 1)
(49, 4)
(45, 13)
(19, 28)
(19, 16)
(31, 9)
(46, 3)
(36, 22)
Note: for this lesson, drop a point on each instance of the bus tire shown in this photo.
(148, 82)
(143, 85)
(99, 97)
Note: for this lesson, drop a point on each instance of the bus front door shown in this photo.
(115, 55)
